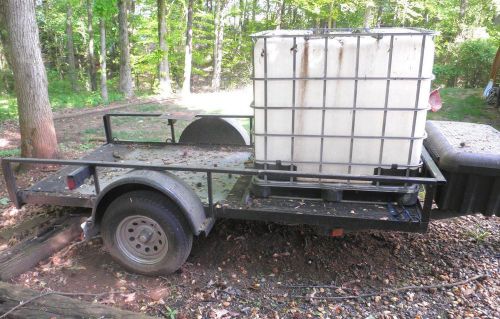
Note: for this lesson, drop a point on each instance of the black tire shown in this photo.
(146, 209)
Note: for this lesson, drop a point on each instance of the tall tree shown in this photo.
(126, 84)
(280, 14)
(218, 41)
(38, 136)
(104, 85)
(5, 61)
(165, 87)
(188, 54)
(70, 48)
(368, 15)
(90, 31)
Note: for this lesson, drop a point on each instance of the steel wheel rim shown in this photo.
(141, 239)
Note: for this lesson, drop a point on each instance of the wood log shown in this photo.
(27, 254)
(55, 306)
(25, 226)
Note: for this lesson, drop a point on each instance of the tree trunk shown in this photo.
(104, 85)
(254, 10)
(71, 49)
(188, 55)
(165, 87)
(462, 26)
(53, 305)
(380, 12)
(280, 14)
(5, 61)
(368, 16)
(90, 30)
(219, 37)
(126, 84)
(244, 15)
(463, 8)
(268, 10)
(241, 21)
(38, 136)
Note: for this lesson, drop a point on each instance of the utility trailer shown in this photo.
(148, 211)
(149, 196)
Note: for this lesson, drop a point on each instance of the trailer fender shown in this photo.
(164, 182)
(215, 130)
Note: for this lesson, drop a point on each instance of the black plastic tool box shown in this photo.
(468, 155)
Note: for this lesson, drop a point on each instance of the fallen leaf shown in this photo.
(159, 293)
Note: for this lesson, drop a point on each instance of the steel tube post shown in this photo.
(93, 170)
(172, 129)
(10, 181)
(107, 128)
(210, 195)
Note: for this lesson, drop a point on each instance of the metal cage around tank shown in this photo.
(379, 167)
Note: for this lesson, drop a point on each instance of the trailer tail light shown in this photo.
(337, 232)
(76, 178)
(70, 182)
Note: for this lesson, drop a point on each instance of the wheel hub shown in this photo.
(141, 239)
(145, 235)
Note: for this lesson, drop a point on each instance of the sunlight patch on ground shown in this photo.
(8, 216)
(224, 102)
(4, 142)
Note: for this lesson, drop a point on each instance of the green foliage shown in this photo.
(10, 152)
(8, 107)
(59, 97)
(171, 313)
(4, 201)
(473, 56)
(459, 60)
(467, 64)
(478, 235)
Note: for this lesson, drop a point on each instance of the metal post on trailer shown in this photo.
(93, 171)
(210, 195)
(430, 193)
(172, 129)
(10, 182)
(107, 128)
(250, 119)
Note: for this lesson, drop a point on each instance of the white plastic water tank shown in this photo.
(369, 118)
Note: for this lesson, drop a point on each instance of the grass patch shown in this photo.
(465, 105)
(10, 153)
(8, 107)
(149, 108)
(61, 96)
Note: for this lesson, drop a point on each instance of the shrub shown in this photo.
(466, 64)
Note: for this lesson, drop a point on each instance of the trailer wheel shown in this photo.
(146, 233)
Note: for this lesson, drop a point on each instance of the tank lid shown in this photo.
(324, 32)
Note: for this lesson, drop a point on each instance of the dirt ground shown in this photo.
(259, 270)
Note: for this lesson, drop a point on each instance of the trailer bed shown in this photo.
(313, 211)
(232, 157)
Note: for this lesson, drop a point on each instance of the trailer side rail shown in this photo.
(18, 197)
